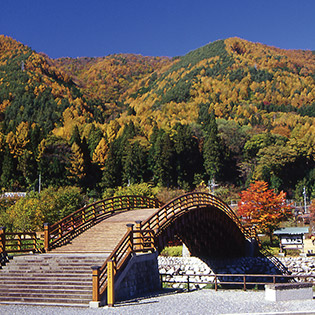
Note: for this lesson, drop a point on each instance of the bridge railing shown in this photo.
(178, 206)
(18, 242)
(135, 240)
(78, 221)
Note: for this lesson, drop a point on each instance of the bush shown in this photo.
(31, 212)
(143, 189)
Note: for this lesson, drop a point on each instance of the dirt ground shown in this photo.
(308, 245)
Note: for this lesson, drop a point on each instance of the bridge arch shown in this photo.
(207, 226)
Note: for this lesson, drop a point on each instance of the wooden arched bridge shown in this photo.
(108, 234)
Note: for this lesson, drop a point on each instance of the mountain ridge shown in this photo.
(89, 121)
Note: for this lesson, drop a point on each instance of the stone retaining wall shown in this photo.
(250, 265)
(299, 265)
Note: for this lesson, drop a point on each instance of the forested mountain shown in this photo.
(232, 111)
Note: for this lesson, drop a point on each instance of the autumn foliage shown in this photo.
(263, 208)
(104, 122)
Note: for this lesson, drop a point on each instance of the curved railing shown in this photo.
(82, 219)
(178, 206)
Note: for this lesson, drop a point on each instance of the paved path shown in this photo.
(197, 302)
(104, 236)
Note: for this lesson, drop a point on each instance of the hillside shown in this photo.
(232, 111)
(238, 79)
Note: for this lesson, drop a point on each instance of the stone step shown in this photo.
(41, 291)
(46, 300)
(46, 276)
(43, 294)
(46, 286)
(76, 268)
(40, 282)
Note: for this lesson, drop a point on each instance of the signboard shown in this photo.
(291, 240)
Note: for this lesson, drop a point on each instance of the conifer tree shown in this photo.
(211, 148)
(163, 169)
(188, 158)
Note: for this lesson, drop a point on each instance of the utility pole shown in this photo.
(39, 182)
(304, 193)
(212, 185)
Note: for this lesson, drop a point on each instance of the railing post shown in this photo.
(46, 237)
(130, 230)
(110, 283)
(2, 239)
(19, 242)
(34, 239)
(215, 282)
(95, 287)
(139, 236)
(72, 223)
(244, 278)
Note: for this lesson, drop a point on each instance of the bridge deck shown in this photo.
(104, 236)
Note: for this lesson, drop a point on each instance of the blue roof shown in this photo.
(291, 230)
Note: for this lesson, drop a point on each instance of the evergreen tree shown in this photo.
(134, 164)
(211, 148)
(75, 137)
(188, 157)
(163, 169)
(112, 169)
(8, 170)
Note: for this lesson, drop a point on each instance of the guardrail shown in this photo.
(243, 280)
(82, 219)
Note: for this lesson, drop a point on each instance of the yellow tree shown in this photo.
(77, 168)
(100, 153)
(18, 146)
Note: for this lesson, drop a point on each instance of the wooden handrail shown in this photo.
(184, 203)
(91, 214)
(18, 242)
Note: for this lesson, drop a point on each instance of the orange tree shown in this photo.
(263, 208)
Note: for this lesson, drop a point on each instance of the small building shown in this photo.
(291, 238)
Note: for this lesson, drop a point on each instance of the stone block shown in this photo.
(288, 291)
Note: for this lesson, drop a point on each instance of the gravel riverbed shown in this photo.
(196, 302)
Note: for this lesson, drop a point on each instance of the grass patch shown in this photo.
(172, 251)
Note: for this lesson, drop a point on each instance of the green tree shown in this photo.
(134, 163)
(188, 159)
(211, 148)
(164, 160)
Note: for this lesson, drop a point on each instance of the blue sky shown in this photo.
(74, 28)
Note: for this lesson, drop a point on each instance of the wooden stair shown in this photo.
(64, 276)
(49, 279)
